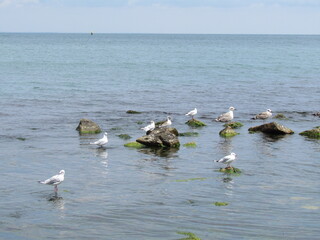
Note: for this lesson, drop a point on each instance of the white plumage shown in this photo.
(226, 117)
(149, 127)
(192, 113)
(54, 180)
(167, 123)
(263, 115)
(227, 159)
(102, 141)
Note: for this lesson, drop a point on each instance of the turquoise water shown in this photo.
(49, 82)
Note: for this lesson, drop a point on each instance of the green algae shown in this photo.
(189, 134)
(221, 204)
(140, 122)
(124, 136)
(191, 179)
(313, 133)
(189, 236)
(134, 145)
(133, 112)
(230, 170)
(190, 144)
(89, 132)
(233, 125)
(195, 123)
(228, 132)
(21, 138)
(115, 129)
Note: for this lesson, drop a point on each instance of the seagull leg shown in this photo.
(55, 188)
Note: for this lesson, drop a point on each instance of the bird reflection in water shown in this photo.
(57, 201)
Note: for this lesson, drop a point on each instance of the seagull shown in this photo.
(167, 122)
(101, 141)
(226, 117)
(192, 113)
(263, 115)
(54, 180)
(228, 159)
(149, 127)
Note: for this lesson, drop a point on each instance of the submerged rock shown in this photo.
(134, 145)
(313, 133)
(88, 126)
(280, 116)
(230, 170)
(124, 136)
(195, 123)
(228, 132)
(161, 137)
(189, 134)
(271, 128)
(133, 112)
(233, 125)
(190, 144)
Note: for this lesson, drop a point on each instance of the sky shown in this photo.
(161, 16)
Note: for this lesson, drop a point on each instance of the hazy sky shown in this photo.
(161, 16)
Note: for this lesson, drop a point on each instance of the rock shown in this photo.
(316, 114)
(124, 136)
(189, 134)
(280, 116)
(230, 170)
(271, 128)
(195, 123)
(221, 204)
(88, 126)
(233, 125)
(133, 112)
(228, 132)
(313, 133)
(161, 137)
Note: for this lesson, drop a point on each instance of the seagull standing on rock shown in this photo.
(263, 115)
(149, 127)
(226, 117)
(167, 123)
(102, 141)
(192, 113)
(227, 159)
(54, 180)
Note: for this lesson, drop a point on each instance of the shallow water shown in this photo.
(49, 82)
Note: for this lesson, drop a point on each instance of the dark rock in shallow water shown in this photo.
(88, 126)
(161, 137)
(233, 125)
(195, 123)
(313, 133)
(228, 132)
(133, 112)
(271, 128)
(280, 116)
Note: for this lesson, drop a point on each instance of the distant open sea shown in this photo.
(48, 82)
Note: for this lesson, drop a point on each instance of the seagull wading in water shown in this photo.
(263, 115)
(192, 113)
(149, 127)
(54, 180)
(226, 117)
(227, 159)
(166, 123)
(102, 141)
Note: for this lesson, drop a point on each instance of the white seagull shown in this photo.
(54, 180)
(228, 159)
(102, 141)
(226, 117)
(192, 113)
(166, 123)
(149, 127)
(263, 115)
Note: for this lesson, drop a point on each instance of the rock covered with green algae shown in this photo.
(230, 170)
(189, 134)
(189, 236)
(272, 128)
(221, 204)
(228, 132)
(313, 133)
(280, 116)
(134, 145)
(190, 144)
(195, 123)
(87, 126)
(233, 125)
(133, 112)
(161, 137)
(124, 136)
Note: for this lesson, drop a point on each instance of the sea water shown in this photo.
(48, 82)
